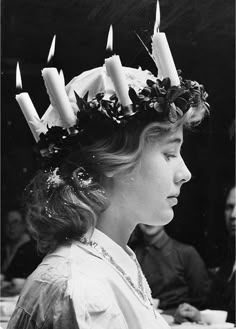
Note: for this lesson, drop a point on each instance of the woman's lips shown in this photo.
(172, 200)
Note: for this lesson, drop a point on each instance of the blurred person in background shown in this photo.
(19, 256)
(222, 292)
(175, 271)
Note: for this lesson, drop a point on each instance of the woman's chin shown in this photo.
(167, 218)
(161, 219)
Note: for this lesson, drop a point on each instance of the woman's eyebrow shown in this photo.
(174, 140)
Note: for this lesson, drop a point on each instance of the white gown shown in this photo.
(103, 286)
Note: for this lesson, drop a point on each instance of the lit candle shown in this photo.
(55, 86)
(115, 71)
(58, 96)
(162, 54)
(27, 106)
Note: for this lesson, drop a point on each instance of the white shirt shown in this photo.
(102, 297)
(86, 286)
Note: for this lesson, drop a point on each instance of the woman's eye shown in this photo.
(168, 156)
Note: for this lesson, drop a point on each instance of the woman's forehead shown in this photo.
(172, 137)
(175, 137)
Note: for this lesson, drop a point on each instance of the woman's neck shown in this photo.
(116, 224)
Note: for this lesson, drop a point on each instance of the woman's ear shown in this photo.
(109, 174)
(106, 180)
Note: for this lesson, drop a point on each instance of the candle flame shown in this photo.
(158, 17)
(61, 74)
(52, 49)
(18, 77)
(110, 39)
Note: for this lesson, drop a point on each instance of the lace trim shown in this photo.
(143, 291)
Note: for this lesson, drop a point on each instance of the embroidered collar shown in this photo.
(124, 262)
(125, 258)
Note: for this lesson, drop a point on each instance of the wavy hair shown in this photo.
(65, 205)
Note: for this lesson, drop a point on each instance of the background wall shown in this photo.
(201, 36)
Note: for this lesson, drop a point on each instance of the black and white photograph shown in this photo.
(118, 190)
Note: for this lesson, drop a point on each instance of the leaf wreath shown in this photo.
(158, 100)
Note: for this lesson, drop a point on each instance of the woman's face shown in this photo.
(15, 226)
(153, 189)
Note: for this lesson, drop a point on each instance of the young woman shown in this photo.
(117, 167)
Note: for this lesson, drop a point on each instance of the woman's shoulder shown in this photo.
(69, 261)
(61, 279)
(76, 271)
(66, 270)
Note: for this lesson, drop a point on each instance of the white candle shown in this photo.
(26, 105)
(156, 57)
(58, 96)
(29, 112)
(162, 54)
(116, 72)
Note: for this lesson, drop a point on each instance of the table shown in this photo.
(189, 325)
(7, 306)
(186, 325)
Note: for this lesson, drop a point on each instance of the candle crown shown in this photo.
(103, 101)
(100, 114)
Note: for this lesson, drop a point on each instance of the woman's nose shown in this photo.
(183, 175)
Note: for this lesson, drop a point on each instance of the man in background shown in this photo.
(174, 270)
